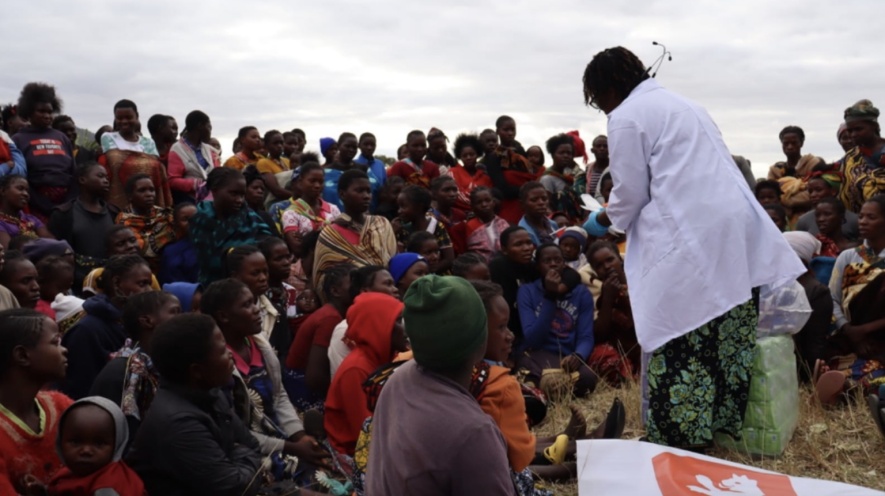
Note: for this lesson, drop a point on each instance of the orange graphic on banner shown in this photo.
(688, 476)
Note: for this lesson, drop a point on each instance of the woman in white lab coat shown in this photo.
(699, 247)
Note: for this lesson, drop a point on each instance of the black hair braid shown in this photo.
(613, 69)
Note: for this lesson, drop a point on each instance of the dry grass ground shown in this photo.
(841, 444)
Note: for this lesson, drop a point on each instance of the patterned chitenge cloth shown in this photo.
(699, 383)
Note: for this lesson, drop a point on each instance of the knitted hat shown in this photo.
(577, 233)
(41, 248)
(863, 110)
(579, 146)
(325, 144)
(66, 306)
(445, 320)
(401, 263)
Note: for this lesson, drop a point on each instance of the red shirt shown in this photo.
(406, 169)
(316, 330)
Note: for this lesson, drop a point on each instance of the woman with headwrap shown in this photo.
(844, 138)
(328, 148)
(864, 165)
(825, 181)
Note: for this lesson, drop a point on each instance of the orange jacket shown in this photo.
(502, 400)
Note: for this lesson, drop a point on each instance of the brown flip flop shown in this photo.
(829, 386)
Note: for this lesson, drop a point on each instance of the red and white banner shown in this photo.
(626, 468)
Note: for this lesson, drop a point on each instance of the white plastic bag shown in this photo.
(782, 310)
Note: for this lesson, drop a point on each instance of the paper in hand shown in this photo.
(590, 203)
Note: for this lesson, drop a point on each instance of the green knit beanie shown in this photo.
(445, 320)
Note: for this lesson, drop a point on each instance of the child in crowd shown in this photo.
(778, 215)
(274, 163)
(444, 191)
(376, 330)
(387, 198)
(467, 176)
(256, 191)
(179, 261)
(768, 192)
(152, 225)
(830, 219)
(533, 198)
(606, 184)
(616, 352)
(279, 268)
(560, 219)
(535, 156)
(130, 379)
(437, 142)
(505, 128)
(415, 170)
(414, 216)
(55, 276)
(31, 358)
(119, 240)
(573, 241)
(471, 266)
(368, 279)
(308, 358)
(310, 212)
(425, 244)
(557, 322)
(367, 144)
(481, 232)
(257, 392)
(249, 140)
(84, 222)
(14, 221)
(514, 269)
(560, 175)
(407, 268)
(19, 276)
(92, 438)
(99, 332)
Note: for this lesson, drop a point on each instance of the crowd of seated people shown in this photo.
(227, 326)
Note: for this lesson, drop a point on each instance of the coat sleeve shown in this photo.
(630, 173)
(176, 171)
(534, 327)
(19, 166)
(502, 400)
(191, 453)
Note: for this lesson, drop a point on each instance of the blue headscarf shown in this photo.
(325, 143)
(400, 264)
(184, 291)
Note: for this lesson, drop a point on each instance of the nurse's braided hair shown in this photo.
(613, 69)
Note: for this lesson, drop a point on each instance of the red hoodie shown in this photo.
(370, 322)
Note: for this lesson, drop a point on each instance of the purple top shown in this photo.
(26, 224)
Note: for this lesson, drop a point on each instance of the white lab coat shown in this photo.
(697, 239)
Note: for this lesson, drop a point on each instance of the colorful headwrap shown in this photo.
(580, 148)
(863, 110)
(842, 129)
(833, 176)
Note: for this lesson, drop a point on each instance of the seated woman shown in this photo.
(857, 349)
(191, 441)
(152, 225)
(256, 192)
(468, 149)
(534, 200)
(14, 197)
(179, 261)
(514, 269)
(257, 392)
(247, 264)
(191, 158)
(223, 223)
(444, 192)
(811, 341)
(481, 232)
(825, 181)
(30, 360)
(308, 357)
(557, 324)
(830, 218)
(19, 276)
(84, 222)
(414, 216)
(415, 170)
(376, 329)
(559, 179)
(573, 242)
(425, 244)
(99, 332)
(118, 240)
(407, 268)
(354, 237)
(130, 379)
(127, 153)
(250, 143)
(616, 354)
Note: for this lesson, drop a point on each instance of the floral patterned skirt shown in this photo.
(699, 383)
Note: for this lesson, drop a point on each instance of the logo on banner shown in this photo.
(687, 476)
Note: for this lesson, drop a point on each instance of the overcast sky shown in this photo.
(390, 66)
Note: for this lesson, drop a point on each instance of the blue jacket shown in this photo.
(179, 262)
(563, 326)
(376, 166)
(18, 162)
(90, 343)
(531, 230)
